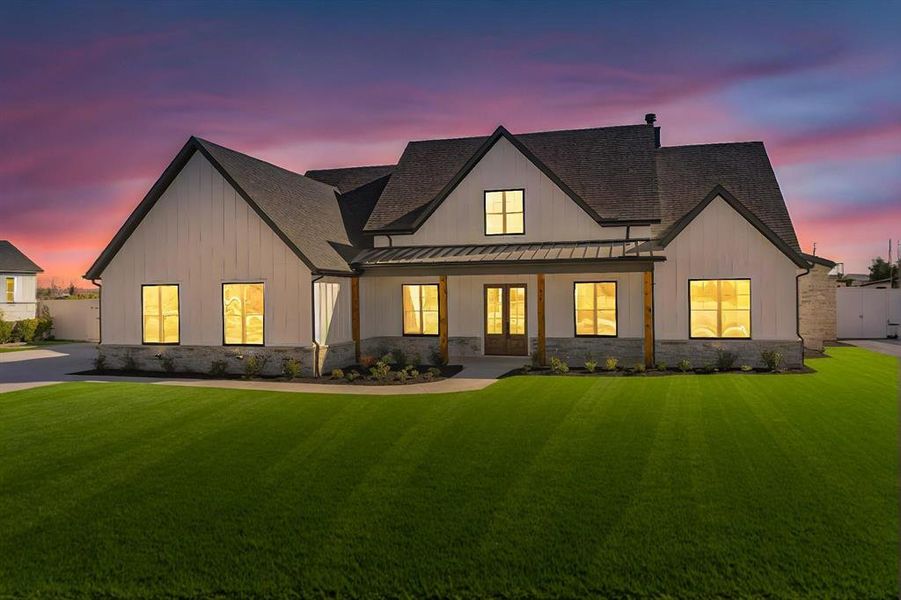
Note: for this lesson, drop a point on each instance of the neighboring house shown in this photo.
(854, 279)
(817, 303)
(570, 243)
(18, 284)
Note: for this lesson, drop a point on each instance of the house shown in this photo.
(593, 242)
(18, 284)
(854, 279)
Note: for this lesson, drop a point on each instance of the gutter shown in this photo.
(316, 346)
(99, 310)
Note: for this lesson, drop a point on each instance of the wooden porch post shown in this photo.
(355, 315)
(442, 317)
(649, 319)
(542, 344)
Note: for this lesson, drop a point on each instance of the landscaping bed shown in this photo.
(425, 374)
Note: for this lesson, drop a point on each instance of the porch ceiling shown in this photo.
(544, 253)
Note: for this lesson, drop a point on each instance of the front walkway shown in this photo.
(46, 366)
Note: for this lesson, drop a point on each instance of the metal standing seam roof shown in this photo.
(506, 253)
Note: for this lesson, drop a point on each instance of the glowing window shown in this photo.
(159, 309)
(420, 309)
(242, 305)
(596, 308)
(720, 308)
(504, 212)
(10, 289)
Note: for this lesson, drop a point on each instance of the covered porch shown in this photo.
(569, 300)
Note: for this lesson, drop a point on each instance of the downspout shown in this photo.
(99, 311)
(316, 347)
(798, 309)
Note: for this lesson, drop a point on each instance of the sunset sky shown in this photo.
(96, 98)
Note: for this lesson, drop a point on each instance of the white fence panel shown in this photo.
(865, 313)
(75, 319)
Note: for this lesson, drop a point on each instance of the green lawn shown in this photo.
(688, 486)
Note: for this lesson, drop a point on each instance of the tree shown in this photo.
(880, 269)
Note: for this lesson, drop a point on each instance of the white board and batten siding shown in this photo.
(331, 298)
(381, 303)
(24, 305)
(721, 244)
(199, 235)
(550, 215)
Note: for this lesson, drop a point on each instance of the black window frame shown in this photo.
(178, 301)
(485, 211)
(222, 312)
(615, 310)
(750, 308)
(403, 333)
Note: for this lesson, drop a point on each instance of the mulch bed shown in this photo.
(446, 372)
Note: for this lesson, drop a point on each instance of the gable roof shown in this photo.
(304, 213)
(12, 260)
(598, 168)
(686, 174)
(720, 192)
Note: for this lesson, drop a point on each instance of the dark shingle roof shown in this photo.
(609, 170)
(304, 210)
(13, 261)
(350, 178)
(686, 174)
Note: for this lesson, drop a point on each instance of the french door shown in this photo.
(505, 319)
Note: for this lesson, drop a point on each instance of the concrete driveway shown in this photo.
(53, 364)
(890, 347)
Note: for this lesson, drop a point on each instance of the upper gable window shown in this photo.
(504, 212)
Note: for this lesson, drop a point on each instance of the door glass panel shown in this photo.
(517, 311)
(494, 317)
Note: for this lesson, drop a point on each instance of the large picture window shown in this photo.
(242, 305)
(504, 212)
(595, 304)
(420, 309)
(10, 290)
(720, 308)
(159, 309)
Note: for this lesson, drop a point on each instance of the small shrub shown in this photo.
(380, 371)
(401, 375)
(591, 365)
(610, 363)
(367, 360)
(6, 332)
(434, 371)
(167, 361)
(639, 368)
(746, 368)
(772, 359)
(558, 367)
(706, 369)
(414, 373)
(661, 366)
(427, 376)
(535, 357)
(291, 368)
(25, 330)
(337, 374)
(254, 364)
(44, 325)
(129, 363)
(218, 368)
(725, 360)
(100, 360)
(527, 367)
(436, 358)
(352, 376)
(399, 356)
(684, 365)
(388, 358)
(414, 359)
